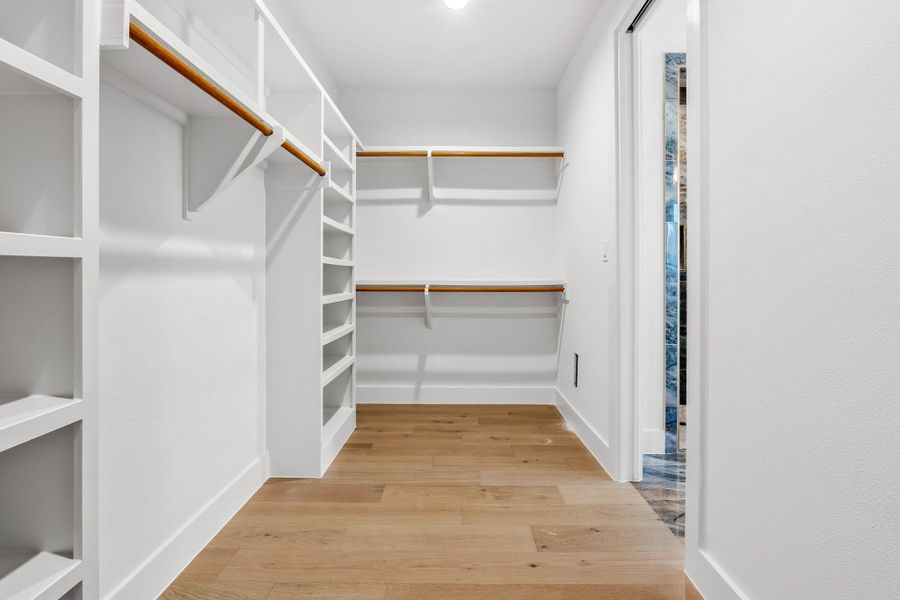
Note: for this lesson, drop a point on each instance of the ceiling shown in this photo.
(422, 43)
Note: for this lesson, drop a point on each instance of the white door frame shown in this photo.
(628, 213)
(700, 567)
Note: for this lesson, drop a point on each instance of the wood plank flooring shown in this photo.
(446, 503)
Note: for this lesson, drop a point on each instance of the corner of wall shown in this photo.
(159, 570)
(595, 443)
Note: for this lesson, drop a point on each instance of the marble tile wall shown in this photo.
(674, 121)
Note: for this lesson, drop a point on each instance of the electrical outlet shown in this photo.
(576, 369)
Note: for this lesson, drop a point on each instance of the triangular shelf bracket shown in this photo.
(561, 175)
(218, 151)
(294, 176)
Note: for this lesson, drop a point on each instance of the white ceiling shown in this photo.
(419, 43)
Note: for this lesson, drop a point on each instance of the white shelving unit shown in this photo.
(310, 301)
(554, 158)
(338, 285)
(49, 264)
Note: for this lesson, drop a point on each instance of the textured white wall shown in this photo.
(587, 225)
(663, 30)
(482, 341)
(451, 117)
(797, 473)
(180, 310)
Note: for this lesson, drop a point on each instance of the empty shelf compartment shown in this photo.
(38, 156)
(37, 501)
(37, 318)
(47, 29)
(337, 357)
(28, 418)
(42, 575)
(336, 280)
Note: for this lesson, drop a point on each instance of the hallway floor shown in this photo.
(446, 503)
(663, 488)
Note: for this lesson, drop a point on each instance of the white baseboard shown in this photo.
(333, 446)
(595, 443)
(653, 441)
(709, 578)
(154, 575)
(454, 395)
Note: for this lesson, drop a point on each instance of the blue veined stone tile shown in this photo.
(671, 130)
(672, 336)
(671, 429)
(671, 364)
(674, 61)
(671, 193)
(672, 242)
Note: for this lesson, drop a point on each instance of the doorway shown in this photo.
(659, 83)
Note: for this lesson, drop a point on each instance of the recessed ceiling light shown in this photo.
(456, 4)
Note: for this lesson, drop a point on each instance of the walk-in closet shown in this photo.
(447, 299)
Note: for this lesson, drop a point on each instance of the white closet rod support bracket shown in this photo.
(428, 315)
(560, 175)
(115, 16)
(430, 178)
(218, 152)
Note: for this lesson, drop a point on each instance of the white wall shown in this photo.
(497, 347)
(663, 30)
(587, 231)
(180, 369)
(792, 481)
(451, 117)
(288, 20)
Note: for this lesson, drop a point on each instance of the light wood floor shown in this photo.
(446, 503)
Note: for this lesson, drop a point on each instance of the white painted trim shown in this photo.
(626, 409)
(653, 441)
(708, 576)
(590, 437)
(332, 446)
(710, 579)
(153, 576)
(50, 246)
(455, 395)
(40, 70)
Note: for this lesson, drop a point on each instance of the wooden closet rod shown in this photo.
(379, 154)
(464, 289)
(457, 154)
(474, 154)
(149, 43)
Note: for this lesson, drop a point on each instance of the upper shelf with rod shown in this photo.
(463, 152)
(462, 287)
(174, 78)
(429, 153)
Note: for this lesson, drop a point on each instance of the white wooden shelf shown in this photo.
(337, 333)
(336, 298)
(511, 196)
(180, 98)
(335, 418)
(334, 192)
(42, 74)
(28, 418)
(434, 194)
(336, 126)
(25, 244)
(337, 262)
(463, 282)
(42, 576)
(330, 223)
(479, 149)
(334, 366)
(339, 160)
